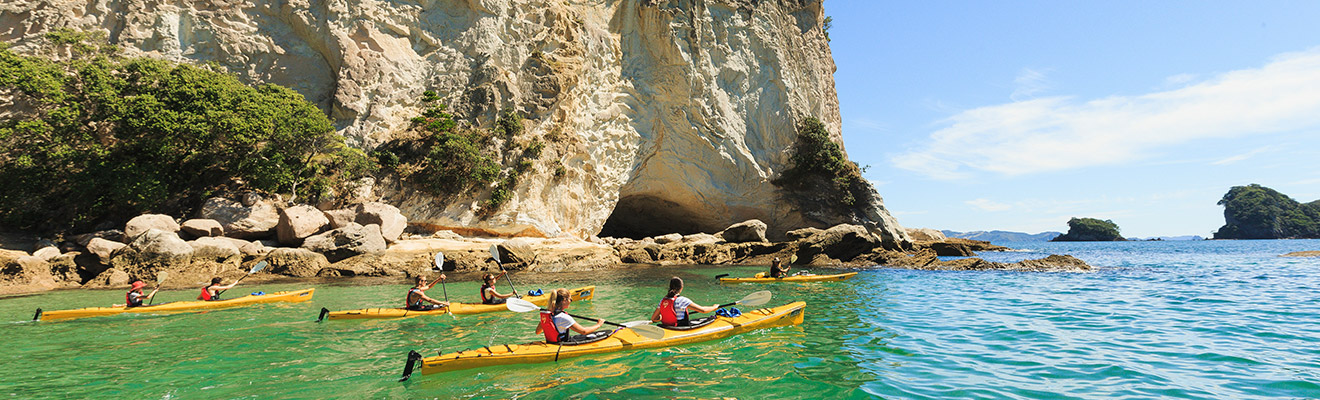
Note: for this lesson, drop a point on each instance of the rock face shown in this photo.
(298, 222)
(666, 116)
(240, 220)
(346, 242)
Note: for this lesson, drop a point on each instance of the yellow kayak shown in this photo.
(579, 294)
(296, 296)
(626, 339)
(760, 278)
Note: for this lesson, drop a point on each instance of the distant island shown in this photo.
(1003, 236)
(1258, 212)
(1090, 230)
(1170, 238)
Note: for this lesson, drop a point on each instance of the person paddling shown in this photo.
(673, 309)
(212, 292)
(416, 299)
(777, 271)
(557, 325)
(134, 297)
(488, 293)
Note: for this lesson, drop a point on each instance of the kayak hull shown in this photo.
(541, 352)
(578, 294)
(295, 296)
(794, 278)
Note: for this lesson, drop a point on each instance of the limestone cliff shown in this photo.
(667, 116)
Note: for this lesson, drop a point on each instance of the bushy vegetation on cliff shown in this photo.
(93, 137)
(1258, 212)
(1090, 230)
(820, 169)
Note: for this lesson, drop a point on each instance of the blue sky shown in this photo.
(1019, 115)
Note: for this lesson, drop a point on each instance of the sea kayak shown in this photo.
(296, 296)
(793, 278)
(579, 294)
(625, 339)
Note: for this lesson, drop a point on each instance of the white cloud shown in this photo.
(1029, 83)
(988, 205)
(1058, 133)
(1243, 156)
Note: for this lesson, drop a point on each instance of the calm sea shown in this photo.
(1205, 319)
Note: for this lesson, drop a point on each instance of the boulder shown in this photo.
(925, 234)
(518, 251)
(201, 227)
(103, 248)
(296, 262)
(700, 238)
(20, 272)
(662, 239)
(340, 218)
(298, 222)
(799, 234)
(239, 220)
(47, 253)
(338, 244)
(113, 235)
(216, 250)
(840, 242)
(142, 223)
(952, 249)
(152, 251)
(112, 278)
(752, 230)
(389, 219)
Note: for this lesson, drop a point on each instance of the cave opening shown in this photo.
(642, 216)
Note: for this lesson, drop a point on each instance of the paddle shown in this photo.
(440, 266)
(160, 279)
(643, 328)
(495, 253)
(255, 269)
(754, 299)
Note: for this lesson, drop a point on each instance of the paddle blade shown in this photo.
(495, 253)
(439, 261)
(649, 331)
(792, 259)
(161, 277)
(756, 299)
(257, 268)
(717, 277)
(519, 305)
(631, 324)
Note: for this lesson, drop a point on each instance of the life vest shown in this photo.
(667, 314)
(128, 300)
(206, 295)
(552, 333)
(408, 300)
(483, 293)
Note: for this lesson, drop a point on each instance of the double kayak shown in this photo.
(296, 296)
(792, 278)
(624, 339)
(579, 294)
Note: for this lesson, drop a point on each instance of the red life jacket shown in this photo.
(128, 299)
(483, 293)
(206, 294)
(667, 314)
(548, 327)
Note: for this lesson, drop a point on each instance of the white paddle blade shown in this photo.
(495, 252)
(636, 323)
(792, 259)
(161, 277)
(257, 268)
(756, 299)
(440, 261)
(649, 331)
(519, 305)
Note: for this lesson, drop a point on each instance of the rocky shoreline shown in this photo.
(369, 239)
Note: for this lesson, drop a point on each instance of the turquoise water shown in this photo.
(1208, 319)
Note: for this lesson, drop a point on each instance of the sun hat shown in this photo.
(138, 285)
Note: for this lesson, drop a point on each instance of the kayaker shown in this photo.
(557, 324)
(134, 297)
(212, 292)
(776, 271)
(416, 299)
(488, 293)
(673, 309)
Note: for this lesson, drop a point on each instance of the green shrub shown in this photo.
(819, 167)
(101, 138)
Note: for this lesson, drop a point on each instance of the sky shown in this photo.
(1019, 115)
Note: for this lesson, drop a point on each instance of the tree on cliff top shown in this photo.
(94, 138)
(1090, 230)
(820, 171)
(1258, 212)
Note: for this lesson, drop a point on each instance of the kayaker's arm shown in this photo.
(579, 329)
(700, 309)
(497, 293)
(438, 280)
(433, 301)
(655, 316)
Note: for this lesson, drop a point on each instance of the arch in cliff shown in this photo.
(641, 216)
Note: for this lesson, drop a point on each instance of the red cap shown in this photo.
(138, 285)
